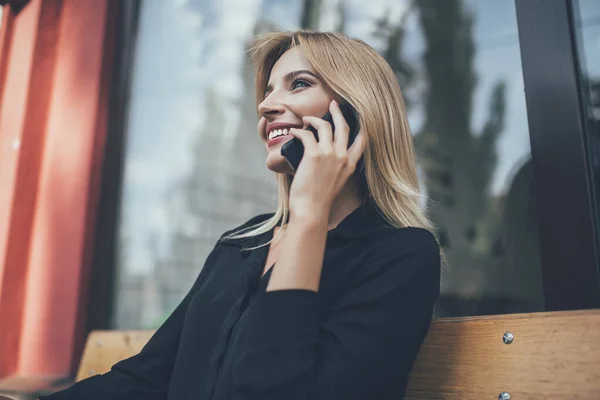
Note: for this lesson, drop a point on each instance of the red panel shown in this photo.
(97, 161)
(59, 231)
(54, 104)
(18, 152)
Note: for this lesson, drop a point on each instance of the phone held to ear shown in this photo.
(293, 149)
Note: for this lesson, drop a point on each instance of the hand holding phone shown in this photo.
(293, 150)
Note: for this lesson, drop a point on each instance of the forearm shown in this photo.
(301, 257)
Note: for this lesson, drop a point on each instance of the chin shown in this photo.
(278, 163)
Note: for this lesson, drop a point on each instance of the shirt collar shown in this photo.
(359, 222)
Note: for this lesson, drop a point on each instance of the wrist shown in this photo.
(301, 258)
(310, 217)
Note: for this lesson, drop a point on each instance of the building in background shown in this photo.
(128, 145)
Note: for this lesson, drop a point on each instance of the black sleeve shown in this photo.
(145, 376)
(361, 348)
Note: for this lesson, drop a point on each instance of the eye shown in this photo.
(299, 83)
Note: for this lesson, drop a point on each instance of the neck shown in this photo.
(345, 203)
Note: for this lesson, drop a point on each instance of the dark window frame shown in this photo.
(104, 259)
(564, 195)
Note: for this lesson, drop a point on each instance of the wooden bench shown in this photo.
(520, 356)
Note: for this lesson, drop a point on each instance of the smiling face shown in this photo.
(294, 91)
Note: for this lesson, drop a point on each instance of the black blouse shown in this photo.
(356, 338)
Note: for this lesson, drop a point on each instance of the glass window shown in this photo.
(467, 108)
(194, 166)
(587, 30)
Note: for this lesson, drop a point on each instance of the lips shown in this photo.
(277, 140)
(276, 129)
(278, 132)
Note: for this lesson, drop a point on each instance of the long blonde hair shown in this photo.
(362, 77)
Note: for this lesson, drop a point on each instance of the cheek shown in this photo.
(313, 104)
(262, 123)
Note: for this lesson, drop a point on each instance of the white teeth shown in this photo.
(278, 132)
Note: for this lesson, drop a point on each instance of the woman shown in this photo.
(331, 296)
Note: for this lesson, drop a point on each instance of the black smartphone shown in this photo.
(293, 150)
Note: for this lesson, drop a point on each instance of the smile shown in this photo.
(279, 129)
(278, 132)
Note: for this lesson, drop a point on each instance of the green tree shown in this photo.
(394, 35)
(311, 14)
(457, 160)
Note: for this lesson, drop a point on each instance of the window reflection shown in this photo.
(471, 136)
(195, 166)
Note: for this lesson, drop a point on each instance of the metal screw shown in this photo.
(99, 343)
(508, 338)
(504, 396)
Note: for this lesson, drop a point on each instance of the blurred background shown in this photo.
(129, 145)
(194, 166)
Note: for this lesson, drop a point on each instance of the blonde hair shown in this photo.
(362, 77)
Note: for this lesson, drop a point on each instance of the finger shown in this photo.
(306, 137)
(340, 136)
(357, 149)
(324, 131)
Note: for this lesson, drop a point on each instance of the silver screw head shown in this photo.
(508, 338)
(504, 396)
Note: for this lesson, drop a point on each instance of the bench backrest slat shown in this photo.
(103, 349)
(553, 355)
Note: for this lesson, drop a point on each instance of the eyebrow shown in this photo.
(291, 75)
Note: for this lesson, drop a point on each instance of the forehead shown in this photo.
(291, 60)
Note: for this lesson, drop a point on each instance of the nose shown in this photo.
(270, 107)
